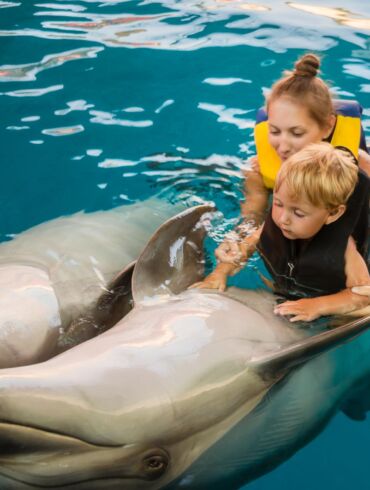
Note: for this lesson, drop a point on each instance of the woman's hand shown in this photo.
(255, 166)
(306, 309)
(236, 249)
(356, 270)
(229, 251)
(363, 290)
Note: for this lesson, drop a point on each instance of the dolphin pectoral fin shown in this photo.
(357, 404)
(173, 258)
(113, 304)
(303, 350)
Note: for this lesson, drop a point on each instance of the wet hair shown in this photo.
(326, 176)
(303, 86)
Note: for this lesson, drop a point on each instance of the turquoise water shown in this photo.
(109, 102)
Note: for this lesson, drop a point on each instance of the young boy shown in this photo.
(305, 256)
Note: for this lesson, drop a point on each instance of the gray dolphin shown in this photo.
(193, 390)
(52, 275)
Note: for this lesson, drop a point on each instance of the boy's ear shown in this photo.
(335, 214)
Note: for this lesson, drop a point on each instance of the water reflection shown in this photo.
(65, 131)
(227, 115)
(29, 71)
(178, 175)
(185, 25)
(225, 81)
(37, 92)
(340, 15)
(4, 5)
(107, 118)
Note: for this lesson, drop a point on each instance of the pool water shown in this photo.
(109, 102)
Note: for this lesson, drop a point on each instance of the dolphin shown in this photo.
(191, 389)
(52, 275)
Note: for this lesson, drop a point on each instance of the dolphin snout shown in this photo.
(38, 457)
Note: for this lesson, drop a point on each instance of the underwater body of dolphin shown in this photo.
(52, 274)
(200, 390)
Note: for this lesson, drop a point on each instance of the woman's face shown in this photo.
(291, 128)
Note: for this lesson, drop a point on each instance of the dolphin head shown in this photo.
(134, 407)
(29, 315)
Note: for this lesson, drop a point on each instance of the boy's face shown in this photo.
(297, 218)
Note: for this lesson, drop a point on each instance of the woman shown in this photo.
(300, 111)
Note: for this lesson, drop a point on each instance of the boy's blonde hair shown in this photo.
(324, 175)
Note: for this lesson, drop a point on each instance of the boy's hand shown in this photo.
(306, 309)
(215, 280)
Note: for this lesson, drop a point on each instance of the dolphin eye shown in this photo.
(155, 465)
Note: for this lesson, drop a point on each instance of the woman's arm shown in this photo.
(356, 270)
(364, 161)
(256, 195)
(253, 211)
(363, 290)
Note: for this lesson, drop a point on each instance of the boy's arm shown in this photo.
(345, 301)
(308, 309)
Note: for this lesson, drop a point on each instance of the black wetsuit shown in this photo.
(315, 267)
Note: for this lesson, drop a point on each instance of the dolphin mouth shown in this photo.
(45, 459)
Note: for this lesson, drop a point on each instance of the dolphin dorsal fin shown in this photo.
(173, 258)
(303, 350)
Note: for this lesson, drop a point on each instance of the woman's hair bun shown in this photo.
(307, 66)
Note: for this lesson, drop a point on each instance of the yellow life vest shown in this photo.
(347, 132)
